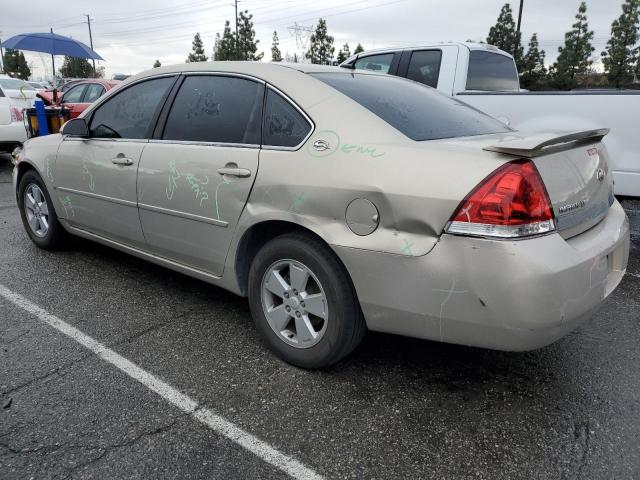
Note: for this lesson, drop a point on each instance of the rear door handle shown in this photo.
(235, 172)
(121, 160)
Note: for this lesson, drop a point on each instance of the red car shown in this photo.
(80, 96)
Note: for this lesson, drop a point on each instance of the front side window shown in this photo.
(419, 113)
(74, 95)
(375, 63)
(94, 92)
(491, 72)
(128, 114)
(284, 125)
(217, 109)
(424, 67)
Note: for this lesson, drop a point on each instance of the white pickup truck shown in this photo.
(486, 78)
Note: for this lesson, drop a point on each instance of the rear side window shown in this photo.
(94, 91)
(491, 72)
(418, 112)
(375, 63)
(217, 109)
(424, 67)
(284, 125)
(128, 114)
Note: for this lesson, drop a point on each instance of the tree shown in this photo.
(225, 45)
(533, 73)
(621, 55)
(157, 64)
(358, 50)
(247, 45)
(321, 45)
(276, 54)
(343, 54)
(505, 36)
(74, 67)
(15, 64)
(575, 55)
(197, 50)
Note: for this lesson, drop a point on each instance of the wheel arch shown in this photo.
(254, 237)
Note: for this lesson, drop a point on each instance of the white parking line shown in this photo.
(185, 403)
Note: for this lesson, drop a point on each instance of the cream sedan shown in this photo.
(337, 201)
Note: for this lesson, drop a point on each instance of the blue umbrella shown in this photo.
(51, 43)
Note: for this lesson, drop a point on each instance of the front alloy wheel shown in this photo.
(36, 210)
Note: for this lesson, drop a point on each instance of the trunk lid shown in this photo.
(574, 169)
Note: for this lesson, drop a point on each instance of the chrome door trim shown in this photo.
(205, 144)
(301, 111)
(224, 74)
(203, 274)
(97, 196)
(190, 216)
(68, 138)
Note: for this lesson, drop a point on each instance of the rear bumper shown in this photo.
(12, 133)
(505, 295)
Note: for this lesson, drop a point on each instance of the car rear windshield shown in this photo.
(14, 84)
(418, 111)
(491, 72)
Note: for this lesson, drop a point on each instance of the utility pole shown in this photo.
(237, 39)
(520, 15)
(93, 60)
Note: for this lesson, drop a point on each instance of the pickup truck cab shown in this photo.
(486, 78)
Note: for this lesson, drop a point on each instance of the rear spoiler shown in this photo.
(541, 143)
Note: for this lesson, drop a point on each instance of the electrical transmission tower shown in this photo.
(302, 35)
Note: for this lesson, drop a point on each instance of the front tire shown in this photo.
(303, 302)
(38, 215)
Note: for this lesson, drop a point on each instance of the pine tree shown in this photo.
(225, 45)
(575, 55)
(247, 45)
(321, 45)
(505, 36)
(533, 73)
(276, 54)
(343, 54)
(15, 64)
(157, 64)
(358, 49)
(621, 55)
(197, 50)
(74, 67)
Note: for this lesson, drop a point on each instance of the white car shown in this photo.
(486, 78)
(12, 104)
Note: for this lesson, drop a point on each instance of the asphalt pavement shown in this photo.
(397, 408)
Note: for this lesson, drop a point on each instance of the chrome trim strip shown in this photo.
(97, 196)
(302, 112)
(206, 144)
(141, 253)
(70, 138)
(224, 74)
(189, 216)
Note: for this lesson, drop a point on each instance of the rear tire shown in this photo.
(38, 215)
(303, 302)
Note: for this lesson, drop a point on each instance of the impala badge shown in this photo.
(600, 174)
(321, 145)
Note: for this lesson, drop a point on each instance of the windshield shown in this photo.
(14, 84)
(492, 72)
(418, 111)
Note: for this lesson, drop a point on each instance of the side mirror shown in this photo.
(76, 127)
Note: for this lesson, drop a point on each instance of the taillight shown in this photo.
(511, 202)
(16, 114)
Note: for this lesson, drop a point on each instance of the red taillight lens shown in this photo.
(16, 114)
(511, 202)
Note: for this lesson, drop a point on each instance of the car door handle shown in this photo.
(122, 160)
(235, 172)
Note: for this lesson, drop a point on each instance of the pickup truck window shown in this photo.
(418, 112)
(491, 72)
(424, 67)
(376, 63)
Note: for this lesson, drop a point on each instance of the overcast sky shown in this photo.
(131, 35)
